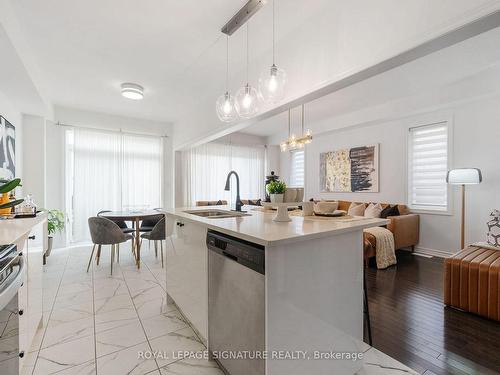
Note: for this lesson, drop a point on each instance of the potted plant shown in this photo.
(276, 190)
(6, 204)
(55, 223)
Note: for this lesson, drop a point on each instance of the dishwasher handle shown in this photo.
(230, 256)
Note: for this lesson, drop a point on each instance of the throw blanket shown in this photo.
(385, 253)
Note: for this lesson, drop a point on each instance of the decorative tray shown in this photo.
(337, 213)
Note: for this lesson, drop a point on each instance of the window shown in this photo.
(110, 171)
(205, 169)
(297, 168)
(428, 148)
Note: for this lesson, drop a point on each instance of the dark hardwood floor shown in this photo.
(411, 324)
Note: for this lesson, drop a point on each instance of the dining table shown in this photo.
(134, 216)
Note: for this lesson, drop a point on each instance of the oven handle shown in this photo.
(9, 292)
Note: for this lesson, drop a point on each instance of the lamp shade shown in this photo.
(464, 176)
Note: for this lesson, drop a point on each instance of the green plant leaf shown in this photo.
(10, 185)
(11, 203)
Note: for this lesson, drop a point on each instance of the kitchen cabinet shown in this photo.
(30, 295)
(187, 272)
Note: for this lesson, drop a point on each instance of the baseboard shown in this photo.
(432, 252)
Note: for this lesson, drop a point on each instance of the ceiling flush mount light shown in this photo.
(225, 103)
(247, 98)
(272, 83)
(132, 91)
(293, 142)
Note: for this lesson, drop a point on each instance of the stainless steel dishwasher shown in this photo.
(236, 303)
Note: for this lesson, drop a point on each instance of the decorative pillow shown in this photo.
(219, 203)
(356, 209)
(494, 229)
(373, 210)
(389, 211)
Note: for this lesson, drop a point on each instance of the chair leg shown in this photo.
(112, 257)
(98, 253)
(367, 311)
(156, 248)
(91, 255)
(161, 249)
(118, 253)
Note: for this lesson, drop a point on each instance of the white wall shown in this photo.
(476, 133)
(33, 149)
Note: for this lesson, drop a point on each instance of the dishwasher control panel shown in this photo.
(246, 253)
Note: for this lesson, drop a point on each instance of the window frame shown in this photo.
(426, 120)
(291, 169)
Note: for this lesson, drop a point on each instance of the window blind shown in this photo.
(297, 168)
(427, 167)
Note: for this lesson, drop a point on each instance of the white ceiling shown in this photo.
(88, 48)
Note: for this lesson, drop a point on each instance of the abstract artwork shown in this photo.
(7, 149)
(350, 170)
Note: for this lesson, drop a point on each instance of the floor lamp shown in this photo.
(464, 176)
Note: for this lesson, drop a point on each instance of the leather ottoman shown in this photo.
(472, 281)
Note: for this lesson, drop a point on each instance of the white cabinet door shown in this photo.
(34, 258)
(22, 300)
(187, 272)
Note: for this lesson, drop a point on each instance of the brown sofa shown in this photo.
(472, 281)
(405, 229)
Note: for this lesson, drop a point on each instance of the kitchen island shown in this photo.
(311, 302)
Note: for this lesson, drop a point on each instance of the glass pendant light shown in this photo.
(247, 98)
(225, 103)
(272, 83)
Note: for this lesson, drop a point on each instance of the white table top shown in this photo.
(261, 229)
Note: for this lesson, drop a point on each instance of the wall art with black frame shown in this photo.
(7, 149)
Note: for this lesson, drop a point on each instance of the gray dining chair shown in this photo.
(122, 224)
(106, 232)
(148, 224)
(157, 234)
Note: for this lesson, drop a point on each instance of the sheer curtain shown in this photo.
(110, 171)
(142, 172)
(205, 169)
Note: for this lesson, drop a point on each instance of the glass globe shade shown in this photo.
(225, 108)
(272, 85)
(247, 101)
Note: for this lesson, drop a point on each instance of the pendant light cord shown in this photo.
(247, 52)
(289, 122)
(227, 63)
(274, 31)
(302, 119)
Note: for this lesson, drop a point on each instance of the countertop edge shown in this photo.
(271, 243)
(21, 233)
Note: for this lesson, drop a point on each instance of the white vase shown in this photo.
(276, 198)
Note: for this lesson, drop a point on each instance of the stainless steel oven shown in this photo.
(11, 279)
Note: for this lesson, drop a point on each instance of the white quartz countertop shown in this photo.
(261, 229)
(14, 230)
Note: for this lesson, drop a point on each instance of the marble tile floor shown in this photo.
(95, 323)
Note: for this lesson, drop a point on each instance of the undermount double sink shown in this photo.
(216, 214)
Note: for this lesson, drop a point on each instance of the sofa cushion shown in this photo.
(389, 211)
(373, 210)
(356, 209)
